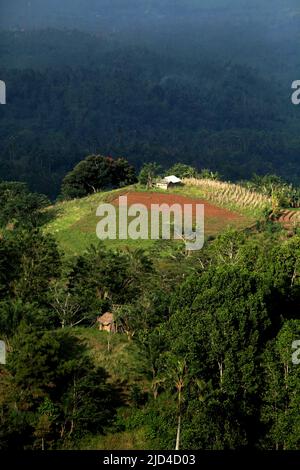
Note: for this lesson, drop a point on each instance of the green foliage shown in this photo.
(95, 173)
(144, 312)
(286, 194)
(60, 392)
(19, 207)
(204, 344)
(149, 172)
(280, 410)
(181, 170)
(101, 278)
(208, 174)
(29, 262)
(15, 311)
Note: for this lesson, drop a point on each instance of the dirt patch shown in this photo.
(210, 210)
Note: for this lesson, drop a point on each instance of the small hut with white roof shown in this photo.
(168, 182)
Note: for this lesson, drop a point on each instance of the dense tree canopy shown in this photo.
(19, 206)
(95, 173)
(73, 94)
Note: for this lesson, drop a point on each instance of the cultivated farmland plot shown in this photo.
(230, 194)
(76, 221)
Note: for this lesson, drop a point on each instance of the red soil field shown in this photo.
(210, 211)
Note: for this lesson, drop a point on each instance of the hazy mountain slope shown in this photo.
(205, 82)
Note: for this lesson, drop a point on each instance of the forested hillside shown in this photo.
(202, 345)
(138, 340)
(210, 87)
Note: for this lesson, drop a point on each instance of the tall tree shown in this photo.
(95, 173)
(148, 173)
(281, 399)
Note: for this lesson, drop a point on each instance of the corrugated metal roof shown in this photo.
(172, 179)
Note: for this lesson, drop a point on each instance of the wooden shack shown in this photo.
(106, 322)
